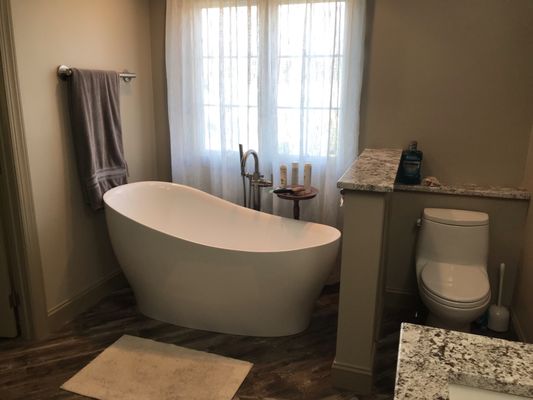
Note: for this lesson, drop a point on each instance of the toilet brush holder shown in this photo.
(498, 318)
(498, 314)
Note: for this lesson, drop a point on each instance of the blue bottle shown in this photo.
(410, 165)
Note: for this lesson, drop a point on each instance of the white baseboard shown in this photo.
(401, 297)
(70, 308)
(352, 377)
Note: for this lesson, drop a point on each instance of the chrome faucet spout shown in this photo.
(244, 159)
(255, 180)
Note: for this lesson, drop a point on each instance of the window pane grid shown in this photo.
(308, 99)
(225, 105)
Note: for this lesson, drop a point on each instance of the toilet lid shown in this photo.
(459, 283)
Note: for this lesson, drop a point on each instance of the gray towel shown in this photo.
(95, 121)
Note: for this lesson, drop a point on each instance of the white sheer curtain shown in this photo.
(280, 76)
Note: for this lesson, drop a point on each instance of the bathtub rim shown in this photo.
(241, 250)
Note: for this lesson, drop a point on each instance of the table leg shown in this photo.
(296, 209)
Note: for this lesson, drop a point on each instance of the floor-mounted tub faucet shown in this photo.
(255, 181)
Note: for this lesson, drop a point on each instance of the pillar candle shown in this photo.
(307, 177)
(294, 174)
(283, 176)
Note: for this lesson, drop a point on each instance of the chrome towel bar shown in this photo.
(64, 72)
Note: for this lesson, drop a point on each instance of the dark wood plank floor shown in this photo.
(294, 367)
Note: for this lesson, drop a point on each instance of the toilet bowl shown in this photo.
(451, 266)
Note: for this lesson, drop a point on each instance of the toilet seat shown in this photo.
(456, 217)
(425, 292)
(460, 286)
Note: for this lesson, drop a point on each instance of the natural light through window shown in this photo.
(229, 52)
(298, 106)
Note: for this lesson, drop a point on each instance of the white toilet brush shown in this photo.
(498, 314)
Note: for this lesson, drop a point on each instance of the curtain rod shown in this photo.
(64, 72)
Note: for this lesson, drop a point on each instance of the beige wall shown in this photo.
(458, 77)
(507, 220)
(75, 250)
(157, 25)
(523, 299)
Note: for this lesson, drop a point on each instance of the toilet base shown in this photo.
(436, 322)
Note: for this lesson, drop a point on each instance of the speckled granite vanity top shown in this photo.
(374, 171)
(430, 359)
(470, 190)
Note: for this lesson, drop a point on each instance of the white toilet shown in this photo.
(451, 266)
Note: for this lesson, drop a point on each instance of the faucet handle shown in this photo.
(262, 182)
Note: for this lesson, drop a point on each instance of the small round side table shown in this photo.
(297, 197)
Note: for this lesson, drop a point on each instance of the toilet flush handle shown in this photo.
(419, 222)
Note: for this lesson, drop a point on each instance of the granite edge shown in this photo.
(459, 190)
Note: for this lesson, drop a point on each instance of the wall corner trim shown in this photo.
(25, 256)
(519, 328)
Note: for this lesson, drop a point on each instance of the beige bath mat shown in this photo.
(135, 368)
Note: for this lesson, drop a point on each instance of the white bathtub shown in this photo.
(197, 261)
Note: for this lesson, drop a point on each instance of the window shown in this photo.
(282, 77)
(230, 86)
(304, 89)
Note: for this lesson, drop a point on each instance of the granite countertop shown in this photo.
(469, 190)
(374, 171)
(429, 359)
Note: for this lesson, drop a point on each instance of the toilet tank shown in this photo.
(453, 236)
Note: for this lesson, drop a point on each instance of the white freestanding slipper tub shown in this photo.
(201, 262)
